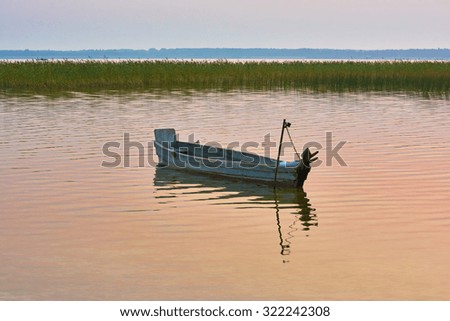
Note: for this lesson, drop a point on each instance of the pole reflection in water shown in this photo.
(301, 210)
(293, 210)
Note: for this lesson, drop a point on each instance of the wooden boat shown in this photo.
(231, 163)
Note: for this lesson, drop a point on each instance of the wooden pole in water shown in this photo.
(279, 150)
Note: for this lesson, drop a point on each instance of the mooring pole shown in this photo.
(285, 124)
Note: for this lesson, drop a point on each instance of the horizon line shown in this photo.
(222, 48)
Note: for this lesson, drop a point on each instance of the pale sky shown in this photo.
(143, 24)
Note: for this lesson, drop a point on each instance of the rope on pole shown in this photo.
(293, 145)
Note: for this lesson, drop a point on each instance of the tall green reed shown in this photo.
(333, 76)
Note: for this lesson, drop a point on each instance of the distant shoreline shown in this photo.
(232, 53)
(420, 77)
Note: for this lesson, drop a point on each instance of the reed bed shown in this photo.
(423, 77)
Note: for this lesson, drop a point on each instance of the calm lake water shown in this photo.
(376, 229)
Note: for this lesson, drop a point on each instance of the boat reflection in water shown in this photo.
(293, 210)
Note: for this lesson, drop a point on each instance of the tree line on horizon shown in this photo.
(230, 53)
